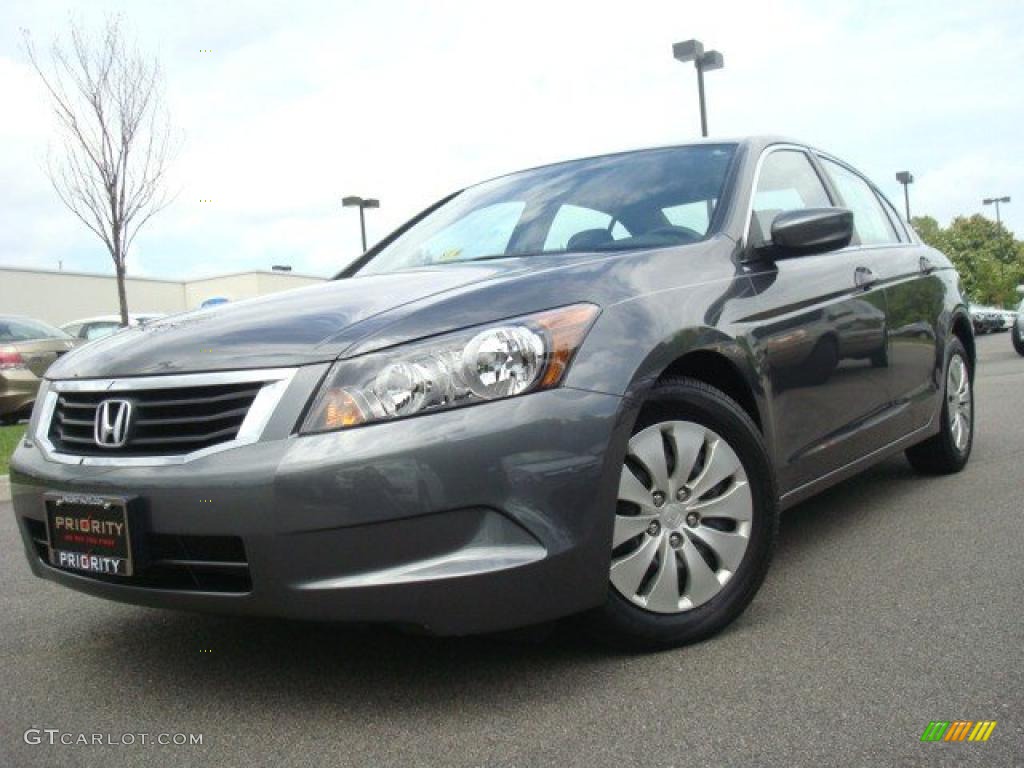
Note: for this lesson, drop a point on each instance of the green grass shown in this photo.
(9, 437)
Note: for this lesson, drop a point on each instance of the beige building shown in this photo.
(60, 297)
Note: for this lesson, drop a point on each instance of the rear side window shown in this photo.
(787, 182)
(870, 221)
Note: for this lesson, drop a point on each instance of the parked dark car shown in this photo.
(987, 319)
(27, 348)
(1017, 331)
(586, 388)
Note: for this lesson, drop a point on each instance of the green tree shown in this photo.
(988, 257)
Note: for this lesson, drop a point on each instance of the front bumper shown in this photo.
(472, 520)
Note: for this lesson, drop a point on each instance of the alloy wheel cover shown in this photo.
(683, 520)
(958, 396)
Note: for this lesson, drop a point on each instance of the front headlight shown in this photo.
(491, 362)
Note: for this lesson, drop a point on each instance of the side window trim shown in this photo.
(894, 218)
(833, 194)
(811, 160)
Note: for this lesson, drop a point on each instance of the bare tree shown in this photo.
(116, 135)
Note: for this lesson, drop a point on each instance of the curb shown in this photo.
(5, 488)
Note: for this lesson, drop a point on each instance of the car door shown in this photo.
(818, 327)
(914, 295)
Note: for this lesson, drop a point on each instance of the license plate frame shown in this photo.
(90, 534)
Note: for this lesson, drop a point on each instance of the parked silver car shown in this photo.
(92, 328)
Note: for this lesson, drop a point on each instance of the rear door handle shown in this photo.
(926, 266)
(864, 277)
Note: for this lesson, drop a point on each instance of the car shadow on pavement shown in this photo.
(855, 501)
(327, 664)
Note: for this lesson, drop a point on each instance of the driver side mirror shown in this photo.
(808, 231)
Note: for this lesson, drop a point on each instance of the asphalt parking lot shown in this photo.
(894, 600)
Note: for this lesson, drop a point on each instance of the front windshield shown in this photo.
(648, 199)
(15, 329)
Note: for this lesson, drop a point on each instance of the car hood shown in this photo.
(296, 327)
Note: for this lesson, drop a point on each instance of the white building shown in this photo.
(60, 297)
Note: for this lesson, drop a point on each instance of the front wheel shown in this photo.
(695, 521)
(948, 451)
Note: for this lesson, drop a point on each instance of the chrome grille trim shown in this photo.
(274, 382)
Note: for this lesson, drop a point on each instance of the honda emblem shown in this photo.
(112, 421)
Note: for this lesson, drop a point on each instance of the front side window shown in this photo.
(617, 202)
(870, 221)
(787, 182)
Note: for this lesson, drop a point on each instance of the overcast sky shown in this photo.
(300, 103)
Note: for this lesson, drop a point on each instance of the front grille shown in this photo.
(164, 421)
(186, 563)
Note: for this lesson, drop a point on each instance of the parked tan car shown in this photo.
(27, 348)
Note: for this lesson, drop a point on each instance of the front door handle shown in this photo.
(926, 265)
(864, 277)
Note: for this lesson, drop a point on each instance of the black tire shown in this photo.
(939, 455)
(625, 625)
(1018, 342)
(10, 419)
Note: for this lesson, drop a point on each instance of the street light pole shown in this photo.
(997, 201)
(362, 204)
(700, 96)
(703, 61)
(906, 178)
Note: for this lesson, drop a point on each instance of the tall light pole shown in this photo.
(906, 178)
(362, 204)
(997, 201)
(703, 61)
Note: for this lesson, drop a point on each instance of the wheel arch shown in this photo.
(720, 371)
(710, 356)
(962, 328)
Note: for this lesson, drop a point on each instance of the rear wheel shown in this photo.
(948, 451)
(1018, 341)
(695, 521)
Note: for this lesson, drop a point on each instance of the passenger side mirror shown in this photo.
(810, 230)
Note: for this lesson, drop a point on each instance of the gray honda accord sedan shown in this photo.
(587, 388)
